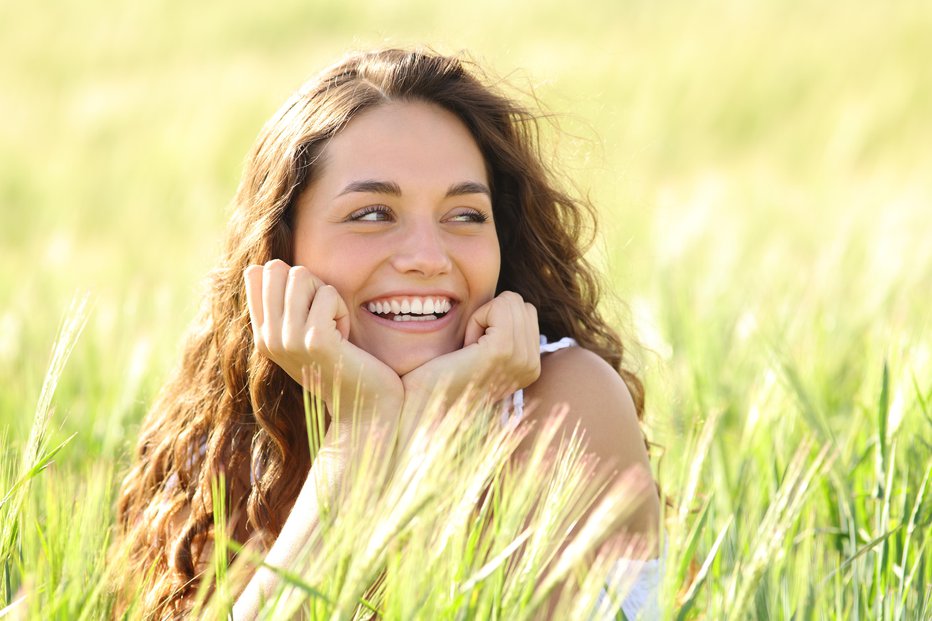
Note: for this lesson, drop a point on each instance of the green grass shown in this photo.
(762, 174)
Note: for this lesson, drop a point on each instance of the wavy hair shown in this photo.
(228, 410)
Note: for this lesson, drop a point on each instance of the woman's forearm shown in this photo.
(322, 485)
(295, 534)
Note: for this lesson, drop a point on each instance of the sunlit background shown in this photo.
(763, 173)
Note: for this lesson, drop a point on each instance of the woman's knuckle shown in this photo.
(291, 341)
(275, 265)
(297, 272)
(252, 271)
(312, 341)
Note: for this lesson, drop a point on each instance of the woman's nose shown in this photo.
(422, 251)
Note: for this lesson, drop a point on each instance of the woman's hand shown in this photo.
(500, 354)
(303, 325)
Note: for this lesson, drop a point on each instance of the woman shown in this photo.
(395, 222)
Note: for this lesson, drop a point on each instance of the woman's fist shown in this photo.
(507, 339)
(500, 354)
(302, 324)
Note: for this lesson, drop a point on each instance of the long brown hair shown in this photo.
(229, 410)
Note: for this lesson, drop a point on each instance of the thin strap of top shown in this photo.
(546, 347)
(517, 399)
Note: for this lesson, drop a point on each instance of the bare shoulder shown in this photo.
(598, 401)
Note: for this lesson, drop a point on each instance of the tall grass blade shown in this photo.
(689, 599)
(36, 454)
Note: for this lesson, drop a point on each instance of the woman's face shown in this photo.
(399, 220)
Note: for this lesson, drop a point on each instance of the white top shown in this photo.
(641, 599)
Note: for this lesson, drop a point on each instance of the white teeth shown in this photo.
(411, 306)
(413, 318)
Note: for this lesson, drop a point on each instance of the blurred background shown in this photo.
(763, 171)
(763, 174)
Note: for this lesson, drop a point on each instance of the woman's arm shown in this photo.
(300, 322)
(322, 484)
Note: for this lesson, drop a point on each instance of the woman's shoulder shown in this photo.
(598, 404)
(596, 399)
(580, 377)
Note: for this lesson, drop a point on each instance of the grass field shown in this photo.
(762, 171)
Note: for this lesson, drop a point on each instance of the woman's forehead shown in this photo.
(403, 143)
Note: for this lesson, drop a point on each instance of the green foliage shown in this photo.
(761, 174)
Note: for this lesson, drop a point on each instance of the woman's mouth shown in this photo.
(411, 308)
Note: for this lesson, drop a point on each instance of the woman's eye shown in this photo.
(371, 213)
(469, 216)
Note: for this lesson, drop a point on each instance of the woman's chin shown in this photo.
(404, 357)
(406, 364)
(403, 363)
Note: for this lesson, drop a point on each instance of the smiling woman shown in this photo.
(396, 232)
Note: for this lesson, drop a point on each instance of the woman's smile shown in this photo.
(398, 218)
(401, 308)
(412, 313)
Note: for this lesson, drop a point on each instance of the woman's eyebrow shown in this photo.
(372, 186)
(469, 187)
